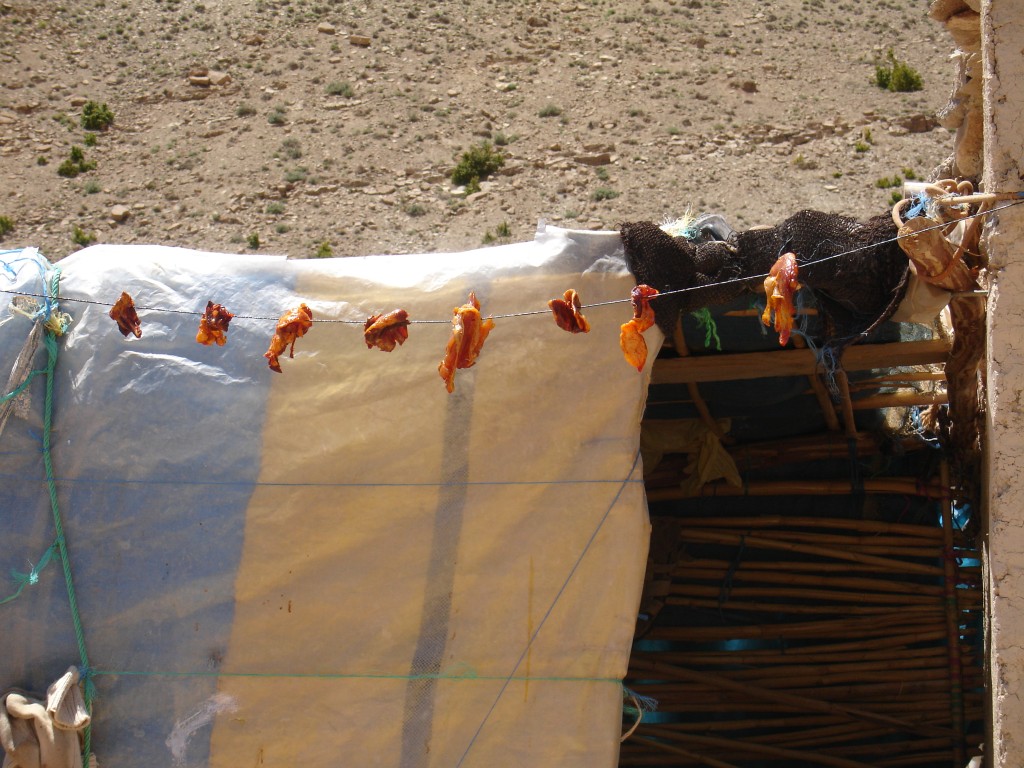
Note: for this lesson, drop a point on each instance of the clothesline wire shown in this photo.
(731, 281)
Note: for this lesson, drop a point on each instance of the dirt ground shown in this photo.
(285, 125)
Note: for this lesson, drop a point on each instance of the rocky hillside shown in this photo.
(317, 127)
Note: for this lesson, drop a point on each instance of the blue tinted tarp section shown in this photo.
(155, 470)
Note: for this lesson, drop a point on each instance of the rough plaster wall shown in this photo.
(1003, 36)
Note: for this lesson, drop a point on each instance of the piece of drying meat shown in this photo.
(631, 334)
(213, 325)
(293, 325)
(123, 313)
(385, 331)
(567, 313)
(469, 332)
(779, 287)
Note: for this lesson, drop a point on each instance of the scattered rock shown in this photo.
(201, 81)
(326, 28)
(919, 123)
(600, 159)
(120, 213)
(218, 78)
(77, 101)
(361, 40)
(535, 22)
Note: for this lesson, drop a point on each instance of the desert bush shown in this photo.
(898, 76)
(343, 89)
(550, 110)
(80, 237)
(6, 226)
(276, 116)
(96, 116)
(604, 193)
(477, 163)
(75, 164)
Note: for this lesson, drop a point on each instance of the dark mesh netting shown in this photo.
(855, 270)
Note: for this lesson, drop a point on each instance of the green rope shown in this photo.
(707, 322)
(21, 387)
(32, 577)
(50, 341)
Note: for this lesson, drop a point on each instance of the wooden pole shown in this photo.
(761, 542)
(720, 682)
(795, 362)
(903, 486)
(679, 341)
(702, 759)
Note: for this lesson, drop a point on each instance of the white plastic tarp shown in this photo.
(341, 564)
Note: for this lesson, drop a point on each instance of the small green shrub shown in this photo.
(416, 209)
(477, 163)
(292, 148)
(324, 250)
(96, 116)
(75, 164)
(6, 226)
(550, 110)
(298, 173)
(80, 237)
(253, 241)
(895, 197)
(604, 193)
(887, 183)
(909, 174)
(503, 230)
(91, 187)
(89, 139)
(343, 89)
(861, 146)
(897, 76)
(602, 173)
(245, 110)
(41, 160)
(275, 209)
(277, 116)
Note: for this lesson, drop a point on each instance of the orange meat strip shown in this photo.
(631, 339)
(123, 313)
(567, 313)
(293, 325)
(213, 325)
(385, 331)
(469, 332)
(779, 288)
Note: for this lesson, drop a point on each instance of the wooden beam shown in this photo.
(794, 362)
(905, 486)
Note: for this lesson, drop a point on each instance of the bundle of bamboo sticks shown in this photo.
(810, 641)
